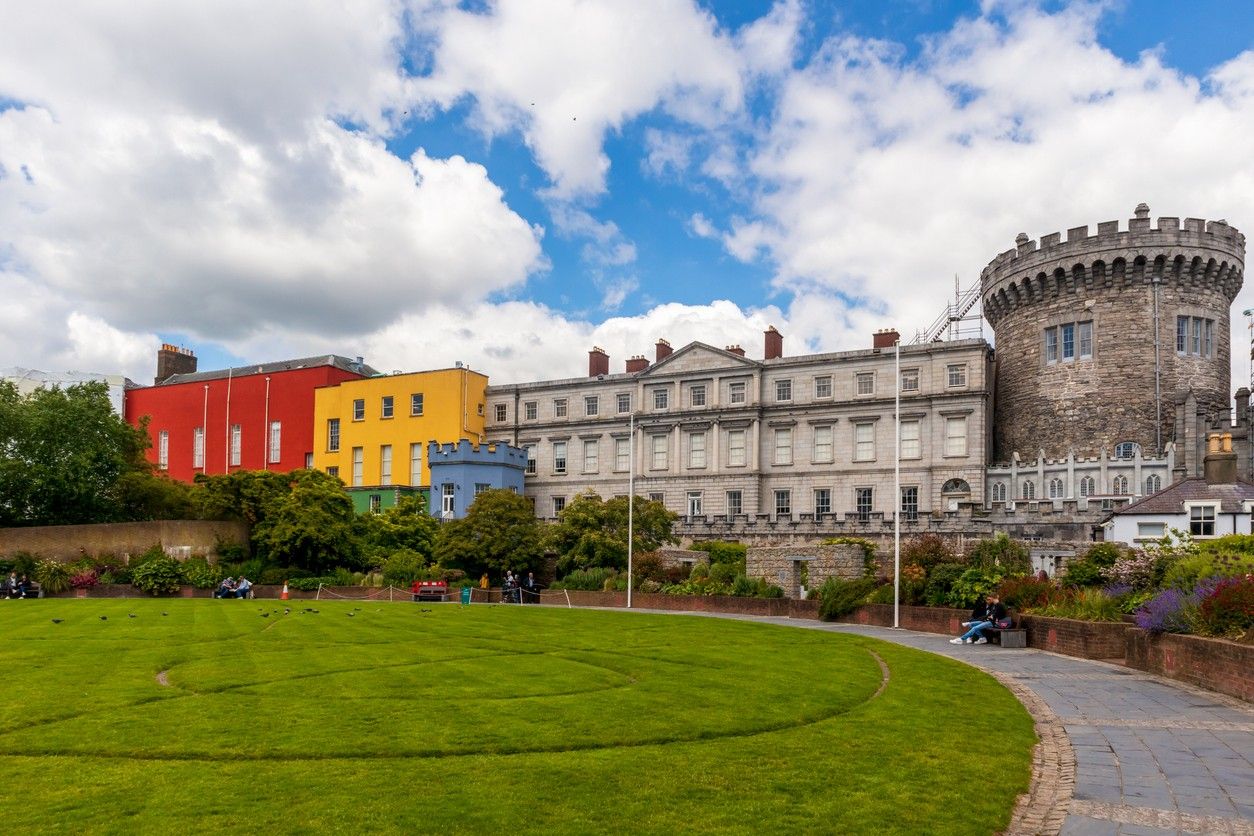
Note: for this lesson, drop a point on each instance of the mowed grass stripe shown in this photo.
(767, 729)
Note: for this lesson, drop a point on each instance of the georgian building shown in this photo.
(727, 440)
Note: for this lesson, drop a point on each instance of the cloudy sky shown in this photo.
(509, 183)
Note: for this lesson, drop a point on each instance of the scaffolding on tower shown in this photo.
(962, 319)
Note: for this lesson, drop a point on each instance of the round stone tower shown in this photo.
(1078, 365)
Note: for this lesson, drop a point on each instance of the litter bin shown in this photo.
(465, 595)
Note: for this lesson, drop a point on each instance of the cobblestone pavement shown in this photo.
(1138, 754)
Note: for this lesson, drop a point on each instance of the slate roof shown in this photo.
(1169, 500)
(336, 360)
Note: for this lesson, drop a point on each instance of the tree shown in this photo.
(499, 532)
(312, 526)
(406, 525)
(244, 495)
(591, 532)
(63, 455)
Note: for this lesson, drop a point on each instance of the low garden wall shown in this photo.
(70, 542)
(1215, 664)
(1106, 640)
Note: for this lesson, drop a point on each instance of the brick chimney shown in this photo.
(172, 360)
(1220, 464)
(735, 349)
(663, 351)
(598, 362)
(885, 338)
(774, 344)
(637, 364)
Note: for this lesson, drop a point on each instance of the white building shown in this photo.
(28, 380)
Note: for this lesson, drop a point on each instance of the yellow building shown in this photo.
(374, 432)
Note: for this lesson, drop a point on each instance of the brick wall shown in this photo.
(69, 542)
(1223, 666)
(922, 619)
(1085, 639)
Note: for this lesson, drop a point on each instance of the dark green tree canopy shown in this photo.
(313, 526)
(499, 532)
(592, 532)
(406, 526)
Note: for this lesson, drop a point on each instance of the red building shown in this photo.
(249, 418)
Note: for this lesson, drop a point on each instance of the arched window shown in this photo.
(1127, 450)
(998, 491)
(1087, 486)
(1029, 489)
(1055, 489)
(1121, 486)
(956, 486)
(1153, 483)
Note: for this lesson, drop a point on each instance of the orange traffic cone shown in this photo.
(283, 594)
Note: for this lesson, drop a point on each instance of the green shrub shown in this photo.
(647, 566)
(403, 567)
(230, 552)
(725, 572)
(722, 552)
(153, 552)
(272, 576)
(972, 584)
(940, 581)
(198, 572)
(592, 579)
(927, 550)
(309, 584)
(1228, 610)
(157, 575)
(1002, 555)
(838, 597)
(23, 563)
(1103, 555)
(1085, 605)
(699, 571)
(1027, 593)
(1082, 573)
(53, 575)
(1186, 572)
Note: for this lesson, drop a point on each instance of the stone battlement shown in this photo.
(464, 452)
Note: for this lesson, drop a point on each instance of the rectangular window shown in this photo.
(591, 455)
(559, 505)
(276, 439)
(783, 390)
(385, 464)
(1156, 530)
(656, 497)
(415, 405)
(1067, 333)
(1086, 340)
(529, 410)
(694, 504)
(783, 446)
(309, 461)
(864, 442)
(660, 445)
(591, 405)
(736, 448)
(823, 386)
(333, 435)
(559, 408)
(502, 412)
(697, 395)
(864, 383)
(735, 503)
(163, 449)
(622, 453)
(415, 464)
(531, 459)
(359, 460)
(624, 403)
(359, 409)
(957, 374)
(333, 470)
(783, 503)
(386, 409)
(482, 487)
(1208, 347)
(911, 440)
(696, 450)
(1195, 345)
(448, 502)
(910, 380)
(863, 502)
(822, 501)
(559, 456)
(956, 436)
(1051, 345)
(1182, 334)
(910, 503)
(376, 503)
(736, 392)
(198, 447)
(237, 441)
(1202, 520)
(823, 444)
(661, 398)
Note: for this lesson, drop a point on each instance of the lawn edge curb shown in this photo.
(1042, 810)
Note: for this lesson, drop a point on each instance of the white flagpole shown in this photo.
(631, 497)
(897, 487)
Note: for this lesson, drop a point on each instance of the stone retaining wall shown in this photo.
(70, 542)
(782, 565)
(1216, 664)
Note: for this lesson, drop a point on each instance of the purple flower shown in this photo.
(1117, 590)
(1166, 612)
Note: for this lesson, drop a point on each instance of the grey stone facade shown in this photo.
(784, 566)
(1124, 287)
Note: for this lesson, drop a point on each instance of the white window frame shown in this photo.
(624, 403)
(823, 387)
(622, 454)
(956, 376)
(783, 446)
(912, 439)
(591, 406)
(559, 457)
(502, 412)
(531, 459)
(696, 395)
(783, 390)
(783, 502)
(276, 442)
(695, 504)
(909, 510)
(864, 502)
(530, 410)
(661, 399)
(591, 455)
(359, 464)
(912, 376)
(559, 407)
(163, 449)
(659, 452)
(735, 501)
(1201, 515)
(824, 448)
(822, 501)
(198, 448)
(864, 441)
(864, 384)
(416, 405)
(237, 444)
(737, 392)
(696, 450)
(387, 406)
(737, 448)
(333, 435)
(359, 409)
(385, 464)
(956, 436)
(415, 464)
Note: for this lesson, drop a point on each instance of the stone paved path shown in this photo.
(1147, 755)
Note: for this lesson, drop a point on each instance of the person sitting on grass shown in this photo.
(995, 615)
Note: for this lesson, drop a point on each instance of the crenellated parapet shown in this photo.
(1195, 254)
(464, 452)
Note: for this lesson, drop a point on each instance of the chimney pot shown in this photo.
(737, 350)
(774, 348)
(598, 362)
(663, 351)
(885, 338)
(637, 364)
(1220, 463)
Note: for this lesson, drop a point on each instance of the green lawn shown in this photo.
(198, 715)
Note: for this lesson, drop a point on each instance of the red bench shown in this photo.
(429, 590)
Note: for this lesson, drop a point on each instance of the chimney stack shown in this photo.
(1220, 464)
(637, 364)
(598, 362)
(774, 344)
(172, 360)
(663, 351)
(735, 349)
(885, 338)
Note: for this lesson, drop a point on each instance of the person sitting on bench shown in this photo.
(994, 616)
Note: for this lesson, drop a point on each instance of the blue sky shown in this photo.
(510, 183)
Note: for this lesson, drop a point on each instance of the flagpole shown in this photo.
(897, 486)
(631, 497)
